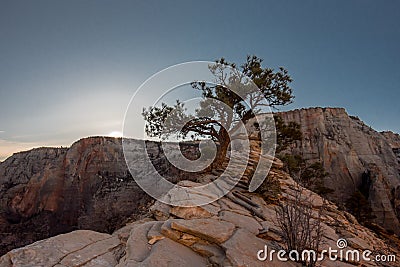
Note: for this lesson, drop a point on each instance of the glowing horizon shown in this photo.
(70, 74)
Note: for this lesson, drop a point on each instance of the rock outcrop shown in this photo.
(222, 233)
(394, 142)
(48, 191)
(348, 149)
(392, 138)
(87, 189)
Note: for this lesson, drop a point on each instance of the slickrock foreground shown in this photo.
(222, 233)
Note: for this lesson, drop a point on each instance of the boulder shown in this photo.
(212, 230)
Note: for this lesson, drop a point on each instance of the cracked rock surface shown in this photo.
(222, 233)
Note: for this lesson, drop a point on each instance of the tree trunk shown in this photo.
(224, 142)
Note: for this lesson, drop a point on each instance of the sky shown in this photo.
(69, 68)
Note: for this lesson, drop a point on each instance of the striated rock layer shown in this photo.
(348, 149)
(222, 233)
(48, 191)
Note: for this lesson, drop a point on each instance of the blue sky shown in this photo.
(69, 68)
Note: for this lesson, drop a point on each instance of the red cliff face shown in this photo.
(348, 148)
(47, 191)
(394, 142)
(392, 138)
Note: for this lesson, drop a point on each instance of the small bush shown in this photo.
(270, 190)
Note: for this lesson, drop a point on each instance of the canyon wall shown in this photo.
(228, 232)
(349, 151)
(47, 191)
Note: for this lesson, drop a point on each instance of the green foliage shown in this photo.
(310, 176)
(286, 134)
(161, 125)
(293, 164)
(313, 174)
(274, 86)
(270, 190)
(216, 121)
(359, 206)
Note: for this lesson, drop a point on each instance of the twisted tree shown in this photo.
(231, 100)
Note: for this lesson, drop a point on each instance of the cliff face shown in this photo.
(394, 142)
(227, 232)
(48, 191)
(348, 149)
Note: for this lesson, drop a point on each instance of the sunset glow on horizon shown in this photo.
(69, 68)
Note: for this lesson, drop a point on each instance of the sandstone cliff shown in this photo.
(394, 142)
(348, 149)
(222, 233)
(47, 191)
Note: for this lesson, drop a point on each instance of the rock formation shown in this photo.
(87, 202)
(394, 142)
(348, 148)
(47, 191)
(222, 233)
